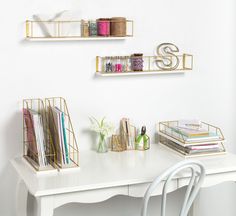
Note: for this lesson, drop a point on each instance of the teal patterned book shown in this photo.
(64, 136)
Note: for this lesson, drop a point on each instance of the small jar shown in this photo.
(92, 28)
(118, 65)
(103, 27)
(108, 66)
(118, 26)
(137, 62)
(84, 28)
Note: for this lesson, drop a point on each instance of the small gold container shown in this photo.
(116, 144)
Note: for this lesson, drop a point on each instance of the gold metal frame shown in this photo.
(28, 153)
(71, 139)
(58, 25)
(186, 64)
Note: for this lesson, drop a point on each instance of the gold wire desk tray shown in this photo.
(212, 144)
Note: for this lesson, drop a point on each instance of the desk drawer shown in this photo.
(89, 196)
(138, 190)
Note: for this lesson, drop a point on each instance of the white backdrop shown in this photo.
(205, 28)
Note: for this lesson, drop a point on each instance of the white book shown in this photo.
(42, 141)
(38, 137)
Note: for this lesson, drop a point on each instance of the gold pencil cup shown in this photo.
(116, 144)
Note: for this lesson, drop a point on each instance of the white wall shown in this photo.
(205, 28)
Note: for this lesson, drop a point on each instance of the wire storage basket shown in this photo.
(38, 149)
(63, 136)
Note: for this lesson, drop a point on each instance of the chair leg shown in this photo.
(191, 211)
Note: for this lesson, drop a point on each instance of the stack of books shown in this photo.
(192, 137)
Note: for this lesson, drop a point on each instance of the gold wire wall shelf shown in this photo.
(101, 29)
(194, 146)
(48, 136)
(37, 150)
(125, 65)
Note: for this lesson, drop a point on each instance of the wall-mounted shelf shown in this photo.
(125, 65)
(135, 73)
(74, 38)
(74, 30)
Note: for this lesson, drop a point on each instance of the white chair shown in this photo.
(197, 175)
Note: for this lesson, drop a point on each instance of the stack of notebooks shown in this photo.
(38, 150)
(191, 137)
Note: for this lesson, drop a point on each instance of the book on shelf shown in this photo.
(58, 132)
(35, 137)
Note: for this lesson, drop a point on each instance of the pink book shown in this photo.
(31, 141)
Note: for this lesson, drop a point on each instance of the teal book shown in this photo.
(64, 136)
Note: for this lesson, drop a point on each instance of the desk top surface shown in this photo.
(112, 169)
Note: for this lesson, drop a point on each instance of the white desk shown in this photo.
(104, 175)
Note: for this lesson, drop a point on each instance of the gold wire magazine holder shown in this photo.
(48, 136)
(72, 30)
(66, 150)
(37, 150)
(187, 146)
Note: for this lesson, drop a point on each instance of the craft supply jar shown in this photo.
(92, 28)
(118, 26)
(118, 64)
(84, 28)
(103, 27)
(137, 62)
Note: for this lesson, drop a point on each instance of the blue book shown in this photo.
(64, 136)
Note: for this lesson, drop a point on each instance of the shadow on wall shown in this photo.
(12, 145)
(93, 136)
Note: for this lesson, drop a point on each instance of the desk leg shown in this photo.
(21, 198)
(45, 206)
